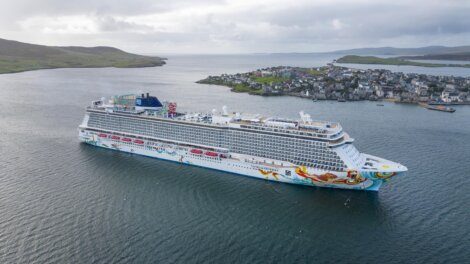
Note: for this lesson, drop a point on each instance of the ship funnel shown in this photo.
(224, 110)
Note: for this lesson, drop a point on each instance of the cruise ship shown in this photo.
(301, 151)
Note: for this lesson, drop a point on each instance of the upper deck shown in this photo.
(304, 127)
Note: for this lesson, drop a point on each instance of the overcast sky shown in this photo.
(236, 26)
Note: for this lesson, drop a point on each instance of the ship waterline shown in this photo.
(305, 152)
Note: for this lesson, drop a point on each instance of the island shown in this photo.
(393, 51)
(355, 59)
(462, 56)
(332, 82)
(18, 57)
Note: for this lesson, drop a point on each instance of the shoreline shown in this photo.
(343, 84)
(390, 100)
(84, 67)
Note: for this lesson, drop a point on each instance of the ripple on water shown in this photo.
(65, 202)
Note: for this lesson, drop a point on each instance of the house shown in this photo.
(265, 73)
(449, 97)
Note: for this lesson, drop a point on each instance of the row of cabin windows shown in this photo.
(242, 142)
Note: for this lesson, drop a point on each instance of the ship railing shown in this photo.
(300, 131)
(322, 127)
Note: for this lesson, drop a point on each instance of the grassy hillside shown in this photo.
(430, 50)
(268, 80)
(17, 57)
(463, 56)
(392, 61)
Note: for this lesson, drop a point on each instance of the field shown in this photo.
(269, 79)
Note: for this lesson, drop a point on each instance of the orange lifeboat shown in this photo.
(211, 154)
(196, 151)
(115, 137)
(102, 135)
(126, 139)
(138, 141)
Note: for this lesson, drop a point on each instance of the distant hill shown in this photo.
(18, 56)
(430, 50)
(355, 59)
(464, 56)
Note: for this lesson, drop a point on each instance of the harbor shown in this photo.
(339, 83)
(67, 202)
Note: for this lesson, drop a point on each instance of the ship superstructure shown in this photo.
(303, 151)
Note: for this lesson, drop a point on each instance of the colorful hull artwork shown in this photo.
(364, 180)
(351, 179)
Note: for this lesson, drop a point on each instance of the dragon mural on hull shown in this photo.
(266, 174)
(384, 175)
(353, 177)
(364, 180)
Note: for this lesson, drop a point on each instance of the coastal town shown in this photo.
(333, 82)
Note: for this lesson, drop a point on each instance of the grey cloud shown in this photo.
(109, 23)
(263, 27)
(376, 20)
(110, 7)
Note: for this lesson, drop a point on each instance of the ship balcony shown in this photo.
(343, 139)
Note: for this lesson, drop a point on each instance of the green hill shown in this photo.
(463, 56)
(430, 50)
(393, 61)
(17, 57)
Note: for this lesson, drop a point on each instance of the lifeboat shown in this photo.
(223, 156)
(196, 151)
(102, 135)
(126, 139)
(115, 137)
(211, 154)
(138, 141)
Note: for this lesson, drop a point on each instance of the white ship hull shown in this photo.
(252, 166)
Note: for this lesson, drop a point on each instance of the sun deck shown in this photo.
(302, 127)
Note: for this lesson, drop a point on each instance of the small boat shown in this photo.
(196, 151)
(115, 137)
(380, 104)
(138, 141)
(440, 108)
(103, 135)
(126, 139)
(342, 100)
(211, 154)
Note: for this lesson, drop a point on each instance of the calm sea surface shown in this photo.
(66, 202)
